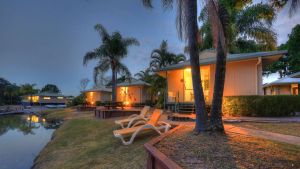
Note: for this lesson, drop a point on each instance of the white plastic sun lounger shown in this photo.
(129, 121)
(153, 124)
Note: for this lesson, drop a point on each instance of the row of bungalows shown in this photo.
(129, 92)
(44, 98)
(243, 77)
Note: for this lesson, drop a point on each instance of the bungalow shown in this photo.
(132, 92)
(101, 94)
(44, 99)
(285, 86)
(243, 75)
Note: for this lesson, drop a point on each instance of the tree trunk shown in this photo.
(192, 29)
(216, 109)
(114, 85)
(299, 89)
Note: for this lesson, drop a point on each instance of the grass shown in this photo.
(89, 143)
(217, 150)
(282, 128)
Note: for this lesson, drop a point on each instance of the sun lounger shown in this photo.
(129, 121)
(153, 124)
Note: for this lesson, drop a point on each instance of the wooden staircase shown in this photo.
(185, 108)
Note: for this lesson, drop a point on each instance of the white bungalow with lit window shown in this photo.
(100, 94)
(132, 92)
(44, 99)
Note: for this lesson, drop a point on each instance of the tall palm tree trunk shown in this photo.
(114, 85)
(216, 109)
(192, 29)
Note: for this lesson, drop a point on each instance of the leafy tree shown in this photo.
(291, 63)
(11, 93)
(109, 54)
(3, 84)
(50, 88)
(28, 89)
(249, 28)
(162, 57)
(79, 100)
(188, 30)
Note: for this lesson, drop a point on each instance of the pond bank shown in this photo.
(85, 142)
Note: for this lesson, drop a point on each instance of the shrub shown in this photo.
(268, 106)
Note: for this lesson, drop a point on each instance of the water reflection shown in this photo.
(22, 137)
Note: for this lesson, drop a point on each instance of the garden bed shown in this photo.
(217, 150)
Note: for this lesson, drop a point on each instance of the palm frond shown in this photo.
(123, 70)
(257, 14)
(102, 32)
(295, 4)
(166, 3)
(89, 56)
(131, 41)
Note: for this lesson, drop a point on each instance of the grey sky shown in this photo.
(43, 41)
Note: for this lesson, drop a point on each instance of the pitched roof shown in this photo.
(230, 57)
(98, 89)
(133, 82)
(295, 75)
(283, 81)
(48, 94)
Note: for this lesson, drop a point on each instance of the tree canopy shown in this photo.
(291, 63)
(50, 88)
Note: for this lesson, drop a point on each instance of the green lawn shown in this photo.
(89, 143)
(282, 128)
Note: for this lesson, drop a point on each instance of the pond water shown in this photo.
(22, 137)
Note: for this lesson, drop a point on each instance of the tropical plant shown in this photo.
(291, 63)
(113, 48)
(188, 30)
(50, 88)
(28, 89)
(157, 85)
(249, 29)
(162, 57)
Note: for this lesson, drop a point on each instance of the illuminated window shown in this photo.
(47, 98)
(60, 97)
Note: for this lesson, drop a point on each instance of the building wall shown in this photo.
(132, 94)
(278, 90)
(93, 97)
(44, 99)
(242, 78)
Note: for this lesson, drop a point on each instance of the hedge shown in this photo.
(263, 106)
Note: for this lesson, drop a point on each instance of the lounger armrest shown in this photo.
(136, 120)
(132, 116)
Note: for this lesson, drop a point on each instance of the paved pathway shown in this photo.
(264, 119)
(263, 134)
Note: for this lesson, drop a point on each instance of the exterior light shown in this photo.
(46, 98)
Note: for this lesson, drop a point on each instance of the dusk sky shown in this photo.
(44, 41)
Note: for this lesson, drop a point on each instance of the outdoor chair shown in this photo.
(153, 124)
(129, 121)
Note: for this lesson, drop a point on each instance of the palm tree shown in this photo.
(157, 84)
(188, 30)
(109, 54)
(218, 17)
(162, 57)
(294, 5)
(249, 27)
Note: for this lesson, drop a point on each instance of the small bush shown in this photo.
(268, 106)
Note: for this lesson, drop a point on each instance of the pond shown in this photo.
(22, 137)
